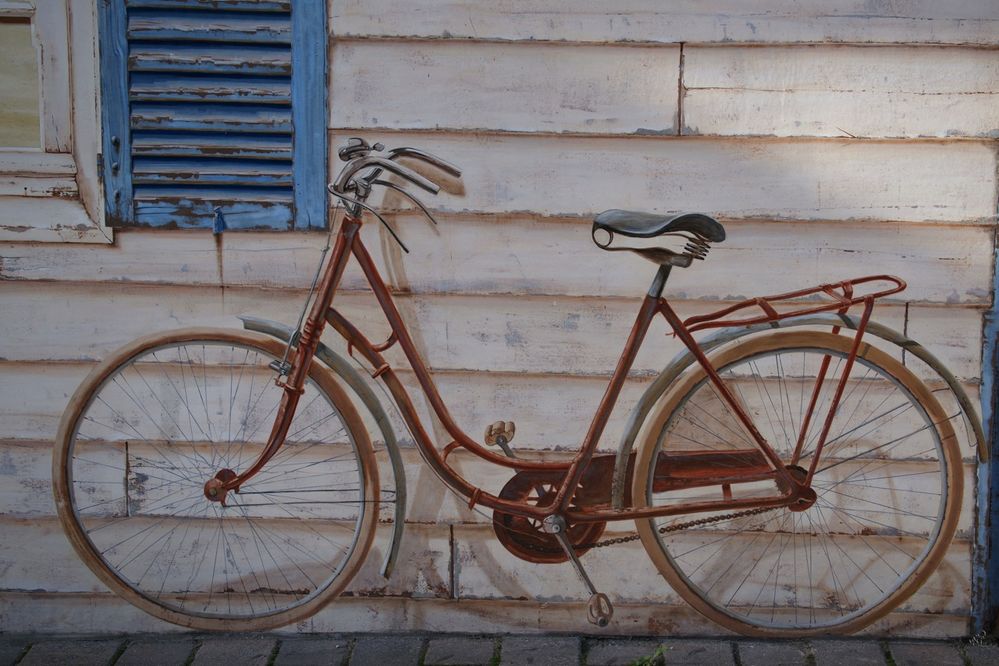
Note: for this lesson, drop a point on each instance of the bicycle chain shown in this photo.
(665, 529)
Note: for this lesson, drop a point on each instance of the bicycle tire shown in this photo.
(865, 549)
(132, 456)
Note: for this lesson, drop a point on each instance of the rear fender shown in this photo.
(685, 359)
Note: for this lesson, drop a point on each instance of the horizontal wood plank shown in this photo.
(99, 614)
(841, 92)
(484, 569)
(489, 571)
(425, 550)
(799, 180)
(974, 22)
(522, 87)
(523, 255)
(556, 335)
(47, 219)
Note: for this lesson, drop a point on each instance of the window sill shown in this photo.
(40, 201)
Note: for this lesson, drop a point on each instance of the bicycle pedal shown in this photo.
(599, 609)
(500, 433)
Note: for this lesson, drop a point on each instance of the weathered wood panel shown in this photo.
(488, 571)
(536, 334)
(25, 484)
(827, 180)
(521, 255)
(28, 218)
(841, 92)
(521, 88)
(106, 614)
(39, 392)
(483, 569)
(426, 552)
(973, 22)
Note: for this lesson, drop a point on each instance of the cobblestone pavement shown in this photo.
(434, 649)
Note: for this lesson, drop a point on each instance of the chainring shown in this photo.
(524, 537)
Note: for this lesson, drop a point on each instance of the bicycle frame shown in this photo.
(348, 244)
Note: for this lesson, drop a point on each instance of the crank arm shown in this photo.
(599, 609)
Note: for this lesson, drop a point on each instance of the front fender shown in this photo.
(345, 371)
(685, 359)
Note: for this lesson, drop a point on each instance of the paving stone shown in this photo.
(383, 650)
(676, 651)
(615, 652)
(151, 651)
(752, 653)
(541, 650)
(714, 653)
(11, 650)
(72, 653)
(918, 654)
(855, 653)
(242, 651)
(331, 651)
(459, 650)
(982, 655)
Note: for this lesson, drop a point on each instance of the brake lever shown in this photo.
(371, 210)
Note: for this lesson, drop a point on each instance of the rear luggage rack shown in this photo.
(843, 295)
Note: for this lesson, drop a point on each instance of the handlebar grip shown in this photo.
(429, 158)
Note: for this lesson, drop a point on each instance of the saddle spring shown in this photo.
(697, 246)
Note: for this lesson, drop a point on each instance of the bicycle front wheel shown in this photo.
(888, 487)
(152, 424)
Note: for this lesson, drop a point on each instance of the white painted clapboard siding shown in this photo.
(549, 112)
(519, 334)
(831, 91)
(755, 21)
(841, 91)
(517, 87)
(513, 254)
(826, 180)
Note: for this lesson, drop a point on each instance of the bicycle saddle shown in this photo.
(697, 228)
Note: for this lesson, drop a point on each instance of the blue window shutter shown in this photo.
(214, 104)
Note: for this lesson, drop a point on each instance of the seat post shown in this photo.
(659, 281)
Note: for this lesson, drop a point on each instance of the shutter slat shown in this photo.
(214, 5)
(210, 59)
(154, 87)
(208, 145)
(153, 209)
(211, 117)
(205, 27)
(211, 173)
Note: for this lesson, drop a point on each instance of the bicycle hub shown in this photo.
(215, 489)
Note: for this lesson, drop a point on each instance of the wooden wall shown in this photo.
(830, 143)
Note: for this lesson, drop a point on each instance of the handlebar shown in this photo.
(446, 167)
(353, 189)
(358, 163)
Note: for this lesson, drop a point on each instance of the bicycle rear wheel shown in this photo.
(166, 413)
(888, 486)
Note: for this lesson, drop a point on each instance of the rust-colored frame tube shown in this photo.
(348, 243)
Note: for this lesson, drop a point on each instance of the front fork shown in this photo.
(225, 480)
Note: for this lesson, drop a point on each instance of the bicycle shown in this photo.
(787, 482)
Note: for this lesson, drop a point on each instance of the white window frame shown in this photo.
(52, 193)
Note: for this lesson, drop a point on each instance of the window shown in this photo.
(214, 106)
(48, 124)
